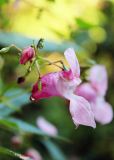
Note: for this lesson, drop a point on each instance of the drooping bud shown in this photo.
(16, 141)
(27, 55)
(40, 44)
(33, 153)
(20, 79)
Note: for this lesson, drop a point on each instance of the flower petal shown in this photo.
(67, 87)
(47, 127)
(98, 79)
(87, 91)
(81, 112)
(73, 61)
(33, 153)
(103, 111)
(48, 83)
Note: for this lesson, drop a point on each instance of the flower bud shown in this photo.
(33, 153)
(20, 80)
(40, 44)
(46, 126)
(16, 141)
(27, 55)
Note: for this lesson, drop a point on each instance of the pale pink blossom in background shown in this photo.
(33, 154)
(94, 91)
(16, 141)
(99, 79)
(27, 55)
(102, 110)
(87, 91)
(63, 84)
(46, 126)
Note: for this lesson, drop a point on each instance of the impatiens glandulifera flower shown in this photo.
(63, 84)
(33, 153)
(47, 127)
(94, 91)
(27, 55)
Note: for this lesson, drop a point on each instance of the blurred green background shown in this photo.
(86, 25)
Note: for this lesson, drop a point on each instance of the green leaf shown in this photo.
(4, 50)
(8, 124)
(83, 24)
(23, 126)
(12, 100)
(3, 2)
(26, 127)
(54, 150)
(8, 152)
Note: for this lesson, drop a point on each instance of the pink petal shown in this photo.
(47, 127)
(98, 79)
(33, 153)
(54, 84)
(87, 91)
(73, 61)
(67, 87)
(103, 111)
(81, 112)
(48, 89)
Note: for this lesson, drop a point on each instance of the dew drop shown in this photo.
(32, 99)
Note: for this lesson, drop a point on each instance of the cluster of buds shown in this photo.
(30, 55)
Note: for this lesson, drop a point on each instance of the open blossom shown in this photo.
(27, 55)
(47, 127)
(94, 91)
(33, 153)
(63, 84)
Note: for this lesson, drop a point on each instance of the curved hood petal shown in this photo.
(73, 61)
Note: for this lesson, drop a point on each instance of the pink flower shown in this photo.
(98, 79)
(16, 141)
(94, 92)
(102, 110)
(63, 84)
(47, 127)
(33, 153)
(27, 55)
(87, 91)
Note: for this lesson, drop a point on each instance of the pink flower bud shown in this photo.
(33, 153)
(27, 55)
(16, 141)
(47, 127)
(20, 80)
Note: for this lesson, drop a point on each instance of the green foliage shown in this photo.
(7, 152)
(3, 2)
(83, 24)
